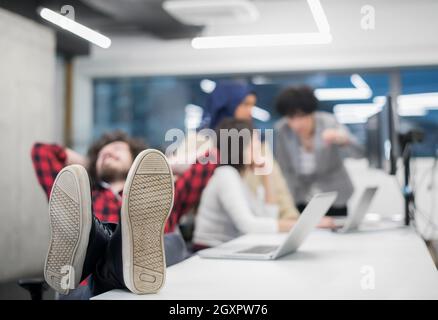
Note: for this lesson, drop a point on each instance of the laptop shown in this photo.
(355, 218)
(311, 216)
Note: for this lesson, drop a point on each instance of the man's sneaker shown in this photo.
(147, 202)
(70, 224)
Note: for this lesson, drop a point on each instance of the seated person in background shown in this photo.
(228, 208)
(229, 99)
(108, 162)
(310, 147)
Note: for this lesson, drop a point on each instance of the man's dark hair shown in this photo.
(295, 101)
(135, 146)
(226, 156)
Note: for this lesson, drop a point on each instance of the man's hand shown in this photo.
(284, 225)
(327, 223)
(335, 136)
(75, 158)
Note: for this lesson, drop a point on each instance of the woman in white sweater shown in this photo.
(228, 208)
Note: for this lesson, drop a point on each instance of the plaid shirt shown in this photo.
(188, 190)
(49, 159)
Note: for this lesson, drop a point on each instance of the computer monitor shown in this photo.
(383, 146)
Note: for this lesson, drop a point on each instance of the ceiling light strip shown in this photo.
(265, 40)
(76, 28)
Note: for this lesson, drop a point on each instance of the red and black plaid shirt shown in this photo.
(188, 190)
(49, 159)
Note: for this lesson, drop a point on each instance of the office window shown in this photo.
(143, 107)
(148, 107)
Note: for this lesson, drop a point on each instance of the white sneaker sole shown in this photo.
(147, 202)
(70, 224)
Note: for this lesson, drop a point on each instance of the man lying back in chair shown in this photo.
(86, 237)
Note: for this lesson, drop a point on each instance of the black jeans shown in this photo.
(333, 211)
(107, 272)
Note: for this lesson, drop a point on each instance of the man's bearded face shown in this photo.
(113, 162)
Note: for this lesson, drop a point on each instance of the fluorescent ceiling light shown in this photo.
(355, 113)
(419, 99)
(361, 91)
(76, 28)
(265, 40)
(349, 119)
(260, 114)
(410, 105)
(260, 80)
(207, 85)
(411, 111)
(319, 16)
(358, 112)
(418, 104)
(193, 116)
(323, 35)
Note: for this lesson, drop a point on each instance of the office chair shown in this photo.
(35, 287)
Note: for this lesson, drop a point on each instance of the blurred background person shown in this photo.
(235, 99)
(229, 99)
(310, 147)
(228, 208)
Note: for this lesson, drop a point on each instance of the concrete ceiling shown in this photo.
(405, 30)
(405, 34)
(112, 17)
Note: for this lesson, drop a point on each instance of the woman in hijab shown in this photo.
(230, 99)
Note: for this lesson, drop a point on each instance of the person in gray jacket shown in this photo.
(310, 146)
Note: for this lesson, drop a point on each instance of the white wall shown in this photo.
(60, 100)
(27, 114)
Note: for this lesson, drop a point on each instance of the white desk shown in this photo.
(327, 266)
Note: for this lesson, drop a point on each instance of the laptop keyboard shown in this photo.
(259, 249)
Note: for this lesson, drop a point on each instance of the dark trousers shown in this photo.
(105, 263)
